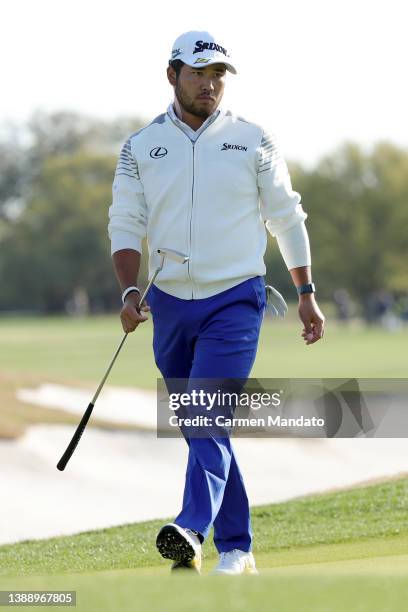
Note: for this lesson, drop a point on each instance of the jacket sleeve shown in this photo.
(280, 206)
(128, 212)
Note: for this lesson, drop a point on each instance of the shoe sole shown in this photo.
(190, 567)
(172, 545)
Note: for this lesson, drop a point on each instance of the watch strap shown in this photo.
(308, 288)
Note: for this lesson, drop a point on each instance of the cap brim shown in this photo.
(213, 60)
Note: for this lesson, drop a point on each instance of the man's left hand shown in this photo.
(311, 317)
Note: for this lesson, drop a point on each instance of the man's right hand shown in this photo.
(129, 315)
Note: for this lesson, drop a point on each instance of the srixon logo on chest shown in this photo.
(237, 147)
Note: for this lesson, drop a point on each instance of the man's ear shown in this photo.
(171, 75)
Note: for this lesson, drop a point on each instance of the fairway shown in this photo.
(204, 307)
(339, 551)
(76, 351)
(67, 349)
(334, 592)
(335, 552)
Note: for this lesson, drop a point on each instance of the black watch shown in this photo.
(309, 288)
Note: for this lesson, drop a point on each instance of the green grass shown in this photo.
(76, 351)
(69, 349)
(330, 553)
(125, 591)
(377, 512)
(340, 551)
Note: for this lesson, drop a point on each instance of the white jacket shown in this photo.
(208, 194)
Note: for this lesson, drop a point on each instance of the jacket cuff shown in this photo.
(125, 240)
(295, 247)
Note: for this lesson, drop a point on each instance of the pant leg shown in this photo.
(225, 348)
(173, 347)
(207, 473)
(174, 334)
(232, 525)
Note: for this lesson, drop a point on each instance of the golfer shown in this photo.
(200, 180)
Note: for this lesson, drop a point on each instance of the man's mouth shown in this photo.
(205, 97)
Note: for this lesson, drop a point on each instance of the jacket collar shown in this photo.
(194, 134)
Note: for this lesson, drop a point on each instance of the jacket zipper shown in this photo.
(191, 222)
(192, 200)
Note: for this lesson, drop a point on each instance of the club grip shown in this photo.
(61, 465)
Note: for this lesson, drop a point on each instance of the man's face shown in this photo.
(200, 90)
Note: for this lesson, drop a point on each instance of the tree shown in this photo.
(60, 243)
(55, 189)
(357, 219)
(25, 148)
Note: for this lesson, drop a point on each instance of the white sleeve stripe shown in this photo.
(281, 161)
(269, 158)
(269, 148)
(127, 165)
(269, 141)
(132, 176)
(269, 153)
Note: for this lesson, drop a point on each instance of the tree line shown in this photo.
(55, 190)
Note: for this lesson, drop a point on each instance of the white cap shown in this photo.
(200, 49)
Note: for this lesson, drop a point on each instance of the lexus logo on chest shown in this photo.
(158, 152)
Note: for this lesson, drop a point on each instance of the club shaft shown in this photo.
(101, 384)
(99, 389)
(81, 427)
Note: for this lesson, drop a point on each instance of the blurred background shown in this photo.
(78, 79)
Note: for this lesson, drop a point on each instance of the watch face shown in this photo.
(309, 288)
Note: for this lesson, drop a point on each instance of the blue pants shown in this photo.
(215, 337)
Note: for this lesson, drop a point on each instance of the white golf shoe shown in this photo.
(181, 545)
(235, 562)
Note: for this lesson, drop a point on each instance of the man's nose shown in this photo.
(208, 84)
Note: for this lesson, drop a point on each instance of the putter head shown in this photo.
(173, 255)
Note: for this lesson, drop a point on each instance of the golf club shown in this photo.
(164, 253)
